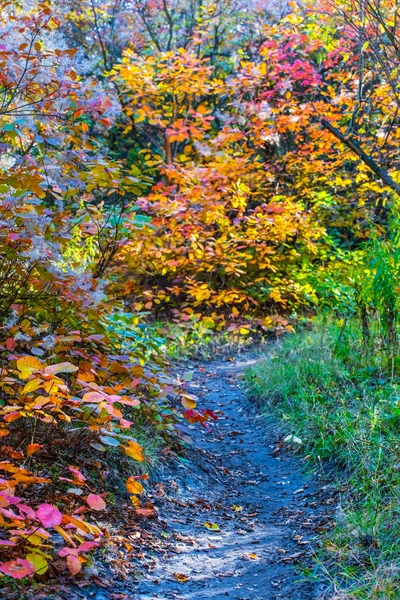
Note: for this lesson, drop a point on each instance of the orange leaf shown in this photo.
(133, 486)
(134, 450)
(32, 448)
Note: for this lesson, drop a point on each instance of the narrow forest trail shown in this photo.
(253, 557)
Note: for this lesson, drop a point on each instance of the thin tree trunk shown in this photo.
(381, 173)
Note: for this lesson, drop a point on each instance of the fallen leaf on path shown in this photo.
(135, 500)
(74, 564)
(181, 577)
(95, 502)
(212, 526)
(237, 508)
(133, 486)
(145, 512)
(32, 448)
(292, 557)
(40, 563)
(293, 438)
(102, 582)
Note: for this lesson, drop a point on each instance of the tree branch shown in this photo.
(371, 164)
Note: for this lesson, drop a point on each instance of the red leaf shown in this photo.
(17, 569)
(211, 414)
(10, 344)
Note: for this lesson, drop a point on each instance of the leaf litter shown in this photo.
(236, 535)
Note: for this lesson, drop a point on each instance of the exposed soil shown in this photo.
(240, 479)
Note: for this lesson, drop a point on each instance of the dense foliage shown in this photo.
(228, 164)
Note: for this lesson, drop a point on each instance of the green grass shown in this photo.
(344, 405)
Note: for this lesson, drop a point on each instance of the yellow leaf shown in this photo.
(244, 331)
(133, 486)
(32, 385)
(212, 526)
(134, 450)
(135, 500)
(40, 563)
(34, 539)
(83, 525)
(51, 387)
(188, 402)
(28, 365)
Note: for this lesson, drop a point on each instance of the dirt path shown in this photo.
(258, 497)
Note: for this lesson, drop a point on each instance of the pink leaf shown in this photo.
(7, 543)
(66, 551)
(9, 514)
(10, 499)
(17, 569)
(49, 515)
(93, 397)
(27, 510)
(74, 564)
(77, 474)
(95, 502)
(86, 546)
(65, 367)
